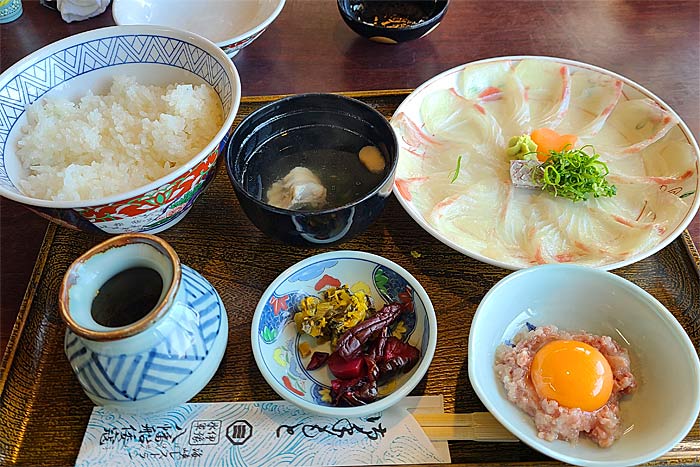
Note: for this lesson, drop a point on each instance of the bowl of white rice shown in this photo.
(117, 129)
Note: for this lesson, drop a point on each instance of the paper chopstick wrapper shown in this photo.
(258, 433)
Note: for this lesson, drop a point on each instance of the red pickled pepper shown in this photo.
(365, 355)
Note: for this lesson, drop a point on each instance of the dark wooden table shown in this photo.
(308, 48)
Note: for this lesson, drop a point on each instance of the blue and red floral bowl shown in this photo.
(88, 61)
(275, 338)
(232, 25)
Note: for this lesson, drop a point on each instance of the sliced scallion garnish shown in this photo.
(575, 174)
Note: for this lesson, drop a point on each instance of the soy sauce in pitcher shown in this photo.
(127, 297)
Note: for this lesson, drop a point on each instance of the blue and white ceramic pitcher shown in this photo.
(145, 333)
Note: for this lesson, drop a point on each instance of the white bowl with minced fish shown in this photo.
(117, 129)
(584, 366)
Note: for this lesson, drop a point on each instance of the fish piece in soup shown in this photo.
(299, 189)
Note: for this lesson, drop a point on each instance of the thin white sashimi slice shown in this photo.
(593, 98)
(622, 167)
(608, 230)
(499, 91)
(469, 219)
(454, 175)
(677, 176)
(670, 162)
(642, 205)
(565, 232)
(413, 138)
(633, 126)
(424, 193)
(449, 117)
(553, 237)
(407, 186)
(672, 156)
(412, 165)
(547, 91)
(517, 226)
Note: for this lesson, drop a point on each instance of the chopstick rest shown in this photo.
(477, 426)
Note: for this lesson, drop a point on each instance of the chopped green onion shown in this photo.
(455, 173)
(575, 174)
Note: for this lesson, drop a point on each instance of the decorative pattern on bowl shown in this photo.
(231, 25)
(233, 48)
(453, 175)
(178, 361)
(276, 339)
(10, 10)
(86, 61)
(153, 211)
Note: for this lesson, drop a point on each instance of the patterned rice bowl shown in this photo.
(275, 338)
(88, 61)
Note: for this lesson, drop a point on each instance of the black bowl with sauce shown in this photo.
(391, 22)
(323, 133)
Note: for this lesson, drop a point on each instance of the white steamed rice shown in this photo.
(104, 145)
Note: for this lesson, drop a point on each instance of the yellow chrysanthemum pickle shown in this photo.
(309, 304)
(336, 311)
(311, 316)
(400, 330)
(324, 309)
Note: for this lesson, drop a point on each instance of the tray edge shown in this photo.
(692, 250)
(26, 305)
(39, 266)
(353, 94)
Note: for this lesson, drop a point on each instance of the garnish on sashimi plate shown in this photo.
(558, 168)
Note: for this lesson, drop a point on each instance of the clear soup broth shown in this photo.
(331, 153)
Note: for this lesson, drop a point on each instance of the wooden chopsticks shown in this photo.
(482, 426)
(477, 426)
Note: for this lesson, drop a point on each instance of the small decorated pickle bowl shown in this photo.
(276, 341)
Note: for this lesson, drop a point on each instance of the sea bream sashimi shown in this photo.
(470, 218)
(672, 156)
(568, 232)
(547, 87)
(632, 126)
(613, 173)
(496, 87)
(593, 98)
(449, 117)
(669, 163)
(641, 204)
(413, 138)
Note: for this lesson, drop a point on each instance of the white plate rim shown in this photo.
(420, 220)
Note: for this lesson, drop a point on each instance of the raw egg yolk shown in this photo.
(572, 373)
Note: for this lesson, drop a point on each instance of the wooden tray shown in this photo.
(44, 412)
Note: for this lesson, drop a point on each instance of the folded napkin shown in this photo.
(78, 10)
